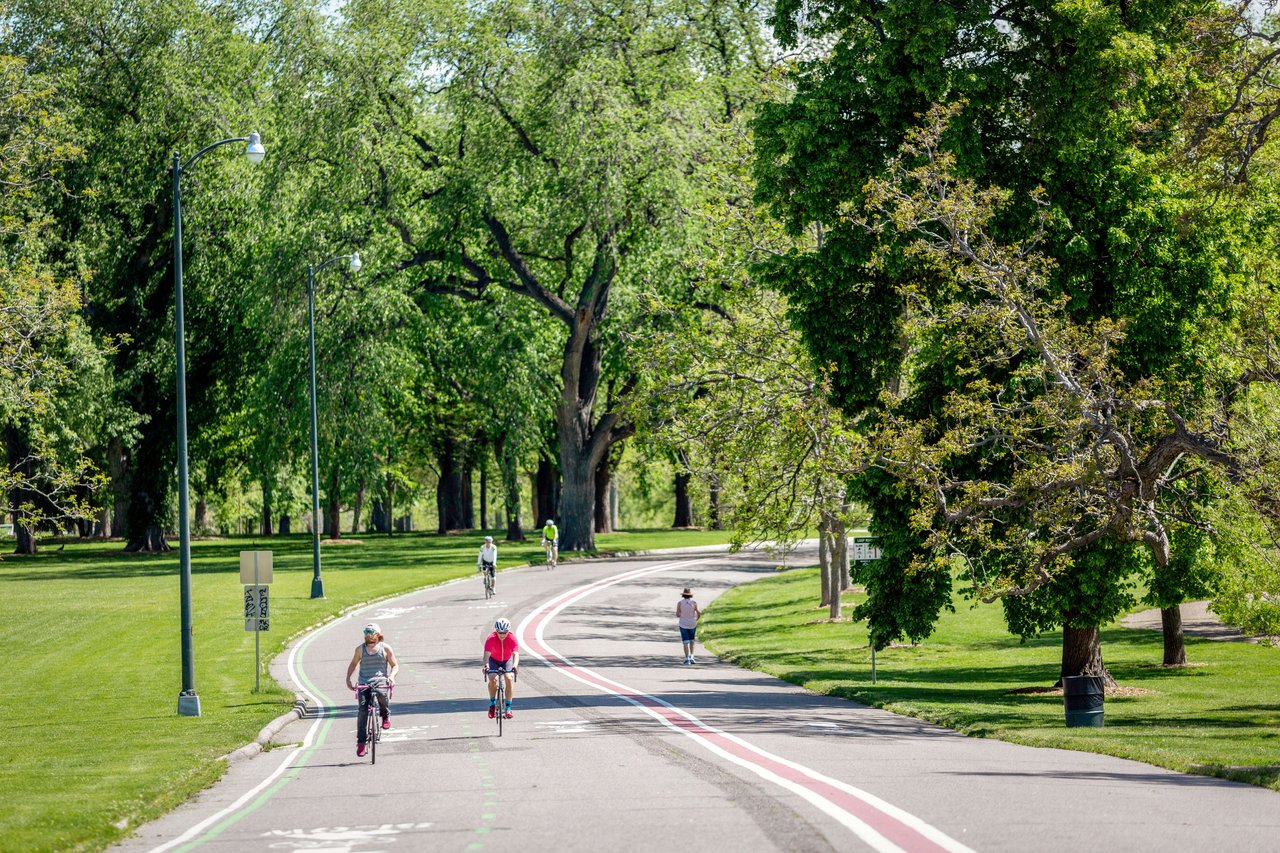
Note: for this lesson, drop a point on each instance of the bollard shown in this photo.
(1082, 697)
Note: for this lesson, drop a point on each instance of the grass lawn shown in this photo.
(96, 635)
(1219, 716)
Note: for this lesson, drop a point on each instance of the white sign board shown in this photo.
(257, 608)
(255, 567)
(865, 549)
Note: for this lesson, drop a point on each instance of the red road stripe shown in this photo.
(890, 827)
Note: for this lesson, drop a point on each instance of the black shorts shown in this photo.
(499, 665)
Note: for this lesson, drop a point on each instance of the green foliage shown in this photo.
(1218, 718)
(1065, 143)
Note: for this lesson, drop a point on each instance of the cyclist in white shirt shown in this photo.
(487, 560)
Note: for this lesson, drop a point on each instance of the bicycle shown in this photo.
(488, 570)
(550, 548)
(500, 698)
(373, 718)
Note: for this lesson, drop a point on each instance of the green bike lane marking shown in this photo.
(237, 812)
(305, 756)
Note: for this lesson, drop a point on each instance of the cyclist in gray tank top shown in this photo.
(378, 667)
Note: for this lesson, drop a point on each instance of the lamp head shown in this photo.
(356, 263)
(254, 150)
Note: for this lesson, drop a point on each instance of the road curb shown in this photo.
(270, 730)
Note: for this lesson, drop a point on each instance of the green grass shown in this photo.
(1220, 716)
(93, 743)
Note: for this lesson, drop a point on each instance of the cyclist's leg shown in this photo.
(384, 703)
(362, 717)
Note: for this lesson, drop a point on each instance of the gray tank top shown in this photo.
(373, 664)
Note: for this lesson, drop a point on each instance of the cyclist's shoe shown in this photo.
(692, 659)
(360, 748)
(493, 711)
(507, 714)
(386, 722)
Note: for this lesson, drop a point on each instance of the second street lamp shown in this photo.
(188, 699)
(317, 583)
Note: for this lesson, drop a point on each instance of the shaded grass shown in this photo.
(93, 743)
(1221, 718)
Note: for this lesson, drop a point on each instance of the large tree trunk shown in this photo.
(716, 521)
(604, 476)
(1082, 653)
(20, 464)
(102, 529)
(358, 508)
(285, 524)
(334, 516)
(468, 501)
(449, 489)
(509, 467)
(267, 508)
(842, 555)
(201, 525)
(824, 563)
(391, 492)
(615, 514)
(684, 506)
(1175, 647)
(118, 469)
(547, 494)
(484, 493)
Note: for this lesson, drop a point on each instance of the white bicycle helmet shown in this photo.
(502, 626)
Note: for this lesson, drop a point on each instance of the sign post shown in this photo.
(866, 552)
(255, 574)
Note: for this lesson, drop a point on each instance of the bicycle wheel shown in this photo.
(374, 730)
(488, 586)
(502, 704)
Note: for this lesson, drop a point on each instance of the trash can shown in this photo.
(1082, 697)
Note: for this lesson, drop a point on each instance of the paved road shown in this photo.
(616, 746)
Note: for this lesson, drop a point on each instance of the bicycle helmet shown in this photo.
(502, 626)
(549, 521)
(488, 539)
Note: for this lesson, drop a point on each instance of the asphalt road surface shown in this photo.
(616, 746)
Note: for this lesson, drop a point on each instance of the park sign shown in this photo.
(865, 550)
(255, 567)
(257, 607)
(255, 574)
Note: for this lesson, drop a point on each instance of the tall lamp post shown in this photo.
(317, 583)
(188, 701)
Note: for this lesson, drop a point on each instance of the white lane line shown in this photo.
(882, 825)
(316, 699)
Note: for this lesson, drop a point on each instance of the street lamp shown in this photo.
(317, 584)
(188, 701)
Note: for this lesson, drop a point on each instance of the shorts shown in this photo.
(686, 634)
(500, 665)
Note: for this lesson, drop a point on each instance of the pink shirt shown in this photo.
(500, 649)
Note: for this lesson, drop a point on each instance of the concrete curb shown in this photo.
(270, 730)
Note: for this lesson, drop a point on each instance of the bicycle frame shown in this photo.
(500, 697)
(373, 716)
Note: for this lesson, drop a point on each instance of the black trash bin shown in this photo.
(1082, 697)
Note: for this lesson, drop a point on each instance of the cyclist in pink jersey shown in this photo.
(501, 654)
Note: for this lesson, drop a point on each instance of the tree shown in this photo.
(1059, 108)
(548, 152)
(45, 346)
(1072, 451)
(147, 79)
